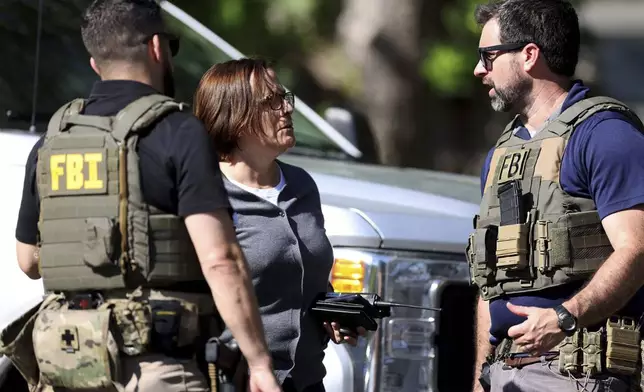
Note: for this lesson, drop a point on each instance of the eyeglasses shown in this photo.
(487, 57)
(173, 41)
(276, 101)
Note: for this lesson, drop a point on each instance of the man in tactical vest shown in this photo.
(556, 250)
(125, 218)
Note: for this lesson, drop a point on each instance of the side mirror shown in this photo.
(343, 121)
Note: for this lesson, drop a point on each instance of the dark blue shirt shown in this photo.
(603, 162)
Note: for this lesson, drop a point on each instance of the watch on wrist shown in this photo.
(566, 321)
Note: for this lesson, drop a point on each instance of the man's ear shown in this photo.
(156, 48)
(92, 63)
(531, 54)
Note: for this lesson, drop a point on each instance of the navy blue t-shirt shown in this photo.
(604, 162)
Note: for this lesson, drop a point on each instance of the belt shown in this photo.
(527, 360)
(178, 322)
(507, 353)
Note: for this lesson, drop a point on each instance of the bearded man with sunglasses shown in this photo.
(556, 250)
(125, 218)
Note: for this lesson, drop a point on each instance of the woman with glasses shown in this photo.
(276, 212)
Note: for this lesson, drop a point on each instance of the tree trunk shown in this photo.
(383, 37)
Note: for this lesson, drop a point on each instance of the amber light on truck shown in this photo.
(348, 275)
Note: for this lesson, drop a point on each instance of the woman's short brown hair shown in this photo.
(228, 101)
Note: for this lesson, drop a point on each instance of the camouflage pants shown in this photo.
(155, 373)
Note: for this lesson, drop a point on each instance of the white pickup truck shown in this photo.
(400, 233)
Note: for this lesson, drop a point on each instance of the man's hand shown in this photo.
(262, 379)
(334, 333)
(539, 333)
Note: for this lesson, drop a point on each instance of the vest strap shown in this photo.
(141, 113)
(567, 121)
(57, 123)
(102, 123)
(507, 132)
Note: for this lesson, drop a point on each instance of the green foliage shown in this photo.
(445, 67)
(291, 31)
(232, 12)
(283, 31)
(450, 61)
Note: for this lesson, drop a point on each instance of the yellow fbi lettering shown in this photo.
(512, 166)
(77, 172)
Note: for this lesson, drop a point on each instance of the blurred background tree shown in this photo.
(405, 67)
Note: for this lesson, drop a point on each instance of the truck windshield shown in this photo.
(64, 72)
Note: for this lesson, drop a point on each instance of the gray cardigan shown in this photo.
(290, 258)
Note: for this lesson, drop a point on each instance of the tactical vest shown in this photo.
(533, 235)
(95, 229)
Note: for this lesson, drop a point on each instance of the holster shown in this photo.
(484, 378)
(227, 368)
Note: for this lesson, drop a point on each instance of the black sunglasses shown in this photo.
(173, 41)
(487, 57)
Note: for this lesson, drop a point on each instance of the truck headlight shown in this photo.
(401, 354)
(410, 338)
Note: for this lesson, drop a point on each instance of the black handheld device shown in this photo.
(353, 310)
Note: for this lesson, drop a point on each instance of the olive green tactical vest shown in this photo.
(95, 229)
(560, 239)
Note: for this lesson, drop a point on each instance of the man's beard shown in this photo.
(511, 97)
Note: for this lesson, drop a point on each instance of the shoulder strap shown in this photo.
(567, 121)
(101, 122)
(141, 113)
(507, 132)
(58, 121)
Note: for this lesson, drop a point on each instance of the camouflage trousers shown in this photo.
(153, 373)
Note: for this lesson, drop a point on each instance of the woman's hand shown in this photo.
(334, 333)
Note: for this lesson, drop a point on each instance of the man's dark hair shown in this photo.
(117, 30)
(552, 25)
